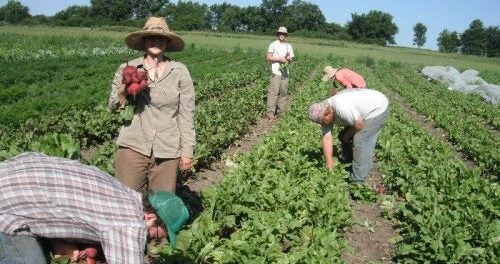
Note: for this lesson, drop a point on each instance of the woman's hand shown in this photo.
(185, 164)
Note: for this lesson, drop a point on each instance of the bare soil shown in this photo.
(369, 237)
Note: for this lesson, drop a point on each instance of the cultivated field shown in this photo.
(438, 154)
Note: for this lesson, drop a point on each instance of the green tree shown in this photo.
(336, 31)
(273, 12)
(14, 12)
(376, 27)
(186, 15)
(493, 46)
(475, 39)
(419, 31)
(73, 16)
(448, 41)
(146, 8)
(114, 10)
(301, 15)
(252, 18)
(227, 17)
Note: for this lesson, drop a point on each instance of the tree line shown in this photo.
(300, 17)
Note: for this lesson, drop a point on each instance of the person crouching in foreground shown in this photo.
(363, 113)
(55, 198)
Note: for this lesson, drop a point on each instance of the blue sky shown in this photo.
(436, 15)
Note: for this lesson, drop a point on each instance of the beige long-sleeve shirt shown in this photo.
(163, 120)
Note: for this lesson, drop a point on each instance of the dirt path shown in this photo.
(370, 235)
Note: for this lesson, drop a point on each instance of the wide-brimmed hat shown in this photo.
(155, 26)
(328, 73)
(317, 110)
(171, 210)
(282, 30)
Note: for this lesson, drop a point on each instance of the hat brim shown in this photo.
(135, 40)
(329, 75)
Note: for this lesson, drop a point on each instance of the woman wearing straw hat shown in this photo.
(346, 77)
(161, 136)
(279, 53)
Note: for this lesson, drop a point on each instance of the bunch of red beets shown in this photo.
(135, 80)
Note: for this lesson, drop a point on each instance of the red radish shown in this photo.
(127, 79)
(128, 70)
(141, 75)
(134, 88)
(135, 78)
(143, 83)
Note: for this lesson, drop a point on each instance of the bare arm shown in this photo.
(328, 150)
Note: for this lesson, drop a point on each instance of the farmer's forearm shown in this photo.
(273, 59)
(328, 150)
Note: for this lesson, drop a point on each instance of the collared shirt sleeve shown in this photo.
(115, 87)
(124, 245)
(186, 115)
(270, 49)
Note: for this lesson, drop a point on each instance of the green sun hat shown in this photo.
(171, 210)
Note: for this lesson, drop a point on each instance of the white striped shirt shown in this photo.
(58, 198)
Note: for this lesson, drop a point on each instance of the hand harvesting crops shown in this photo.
(362, 114)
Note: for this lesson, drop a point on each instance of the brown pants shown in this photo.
(133, 169)
(277, 93)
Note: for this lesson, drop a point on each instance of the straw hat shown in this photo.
(328, 73)
(155, 26)
(282, 30)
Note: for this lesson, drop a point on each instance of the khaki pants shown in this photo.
(277, 93)
(133, 169)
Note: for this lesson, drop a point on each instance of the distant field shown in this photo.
(317, 47)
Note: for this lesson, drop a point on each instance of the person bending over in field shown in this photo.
(363, 113)
(59, 199)
(160, 137)
(279, 54)
(344, 76)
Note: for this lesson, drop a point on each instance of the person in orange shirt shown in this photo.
(346, 77)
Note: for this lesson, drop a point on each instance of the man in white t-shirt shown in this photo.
(280, 54)
(362, 113)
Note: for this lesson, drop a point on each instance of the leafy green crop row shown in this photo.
(278, 204)
(449, 214)
(450, 111)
